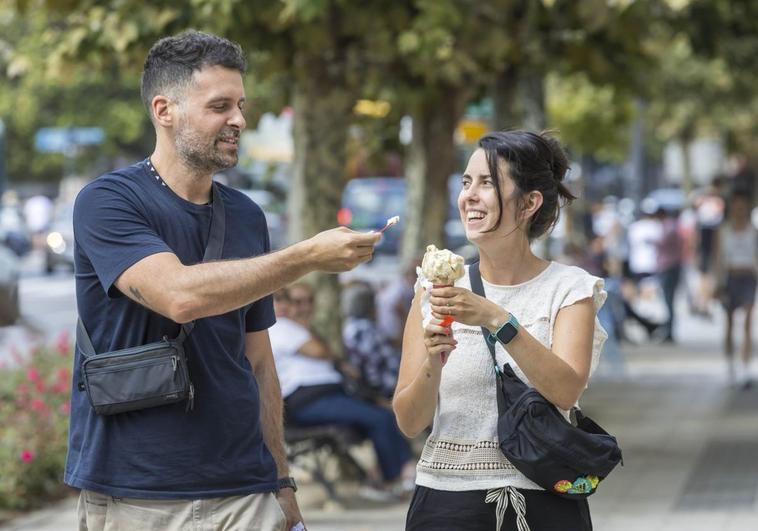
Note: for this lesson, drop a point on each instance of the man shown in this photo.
(140, 236)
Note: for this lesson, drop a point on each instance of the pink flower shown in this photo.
(32, 375)
(63, 375)
(37, 405)
(27, 456)
(60, 388)
(65, 408)
(40, 386)
(63, 343)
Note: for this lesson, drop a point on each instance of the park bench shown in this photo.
(323, 452)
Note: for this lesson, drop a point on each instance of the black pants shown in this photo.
(439, 510)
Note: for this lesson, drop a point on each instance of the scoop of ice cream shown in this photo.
(442, 267)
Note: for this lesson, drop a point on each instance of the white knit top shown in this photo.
(462, 451)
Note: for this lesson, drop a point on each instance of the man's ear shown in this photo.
(162, 108)
(531, 204)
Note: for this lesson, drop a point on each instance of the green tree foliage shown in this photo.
(41, 90)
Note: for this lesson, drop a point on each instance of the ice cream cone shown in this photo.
(448, 319)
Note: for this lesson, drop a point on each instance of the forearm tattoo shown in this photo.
(137, 295)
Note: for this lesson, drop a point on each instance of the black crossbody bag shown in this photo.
(565, 459)
(149, 375)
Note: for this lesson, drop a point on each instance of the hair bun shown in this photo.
(560, 162)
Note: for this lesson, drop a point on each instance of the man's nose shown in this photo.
(238, 119)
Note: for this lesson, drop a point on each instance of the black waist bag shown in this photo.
(565, 459)
(141, 377)
(149, 375)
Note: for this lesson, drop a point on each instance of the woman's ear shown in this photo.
(531, 204)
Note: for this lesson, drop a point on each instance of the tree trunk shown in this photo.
(686, 137)
(531, 90)
(431, 159)
(507, 114)
(323, 109)
(519, 99)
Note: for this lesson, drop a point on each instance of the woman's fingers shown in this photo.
(439, 339)
(435, 328)
(440, 350)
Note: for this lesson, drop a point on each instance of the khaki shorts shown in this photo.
(254, 512)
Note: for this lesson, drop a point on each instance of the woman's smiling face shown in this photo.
(478, 203)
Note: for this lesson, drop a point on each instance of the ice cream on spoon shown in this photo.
(391, 221)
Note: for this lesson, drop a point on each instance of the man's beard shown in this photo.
(197, 153)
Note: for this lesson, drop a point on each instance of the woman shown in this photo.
(511, 192)
(367, 348)
(736, 265)
(314, 395)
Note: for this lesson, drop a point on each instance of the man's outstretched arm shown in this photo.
(182, 293)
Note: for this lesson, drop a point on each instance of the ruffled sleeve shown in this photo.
(583, 286)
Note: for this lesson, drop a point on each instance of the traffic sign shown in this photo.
(62, 139)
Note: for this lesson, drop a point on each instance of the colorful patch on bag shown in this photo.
(581, 485)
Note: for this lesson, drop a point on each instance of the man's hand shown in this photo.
(286, 498)
(342, 249)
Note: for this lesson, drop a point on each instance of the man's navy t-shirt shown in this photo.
(217, 449)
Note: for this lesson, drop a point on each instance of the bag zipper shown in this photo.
(126, 366)
(135, 351)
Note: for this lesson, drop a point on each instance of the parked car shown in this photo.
(13, 231)
(59, 241)
(9, 274)
(368, 202)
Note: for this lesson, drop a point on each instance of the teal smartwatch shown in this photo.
(506, 332)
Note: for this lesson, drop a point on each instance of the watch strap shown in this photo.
(512, 322)
(286, 483)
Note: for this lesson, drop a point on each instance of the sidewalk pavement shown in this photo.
(690, 445)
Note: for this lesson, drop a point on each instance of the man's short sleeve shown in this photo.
(112, 231)
(260, 314)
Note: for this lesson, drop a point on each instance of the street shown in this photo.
(48, 308)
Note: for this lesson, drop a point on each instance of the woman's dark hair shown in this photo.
(535, 162)
(171, 62)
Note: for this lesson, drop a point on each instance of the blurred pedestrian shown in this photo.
(643, 237)
(141, 234)
(303, 298)
(512, 188)
(736, 267)
(669, 254)
(315, 395)
(38, 212)
(367, 349)
(709, 213)
(393, 302)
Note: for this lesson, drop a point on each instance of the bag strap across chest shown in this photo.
(213, 251)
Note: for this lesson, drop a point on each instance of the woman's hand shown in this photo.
(466, 307)
(439, 342)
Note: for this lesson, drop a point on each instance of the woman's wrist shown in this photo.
(496, 319)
